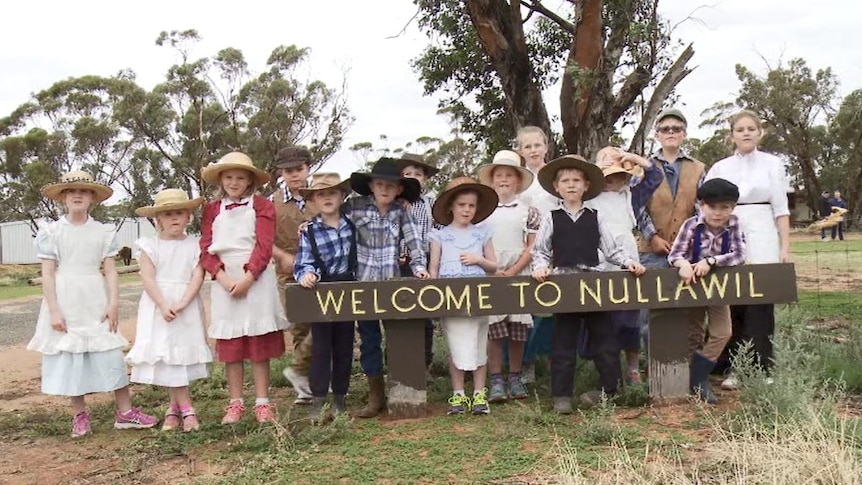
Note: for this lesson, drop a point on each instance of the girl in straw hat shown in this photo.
(513, 224)
(464, 249)
(82, 352)
(170, 344)
(247, 319)
(630, 180)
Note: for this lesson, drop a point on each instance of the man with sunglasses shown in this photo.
(674, 201)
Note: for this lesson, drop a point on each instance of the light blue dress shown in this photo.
(467, 337)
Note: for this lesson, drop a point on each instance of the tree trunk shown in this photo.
(499, 27)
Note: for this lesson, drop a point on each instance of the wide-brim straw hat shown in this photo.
(169, 200)
(386, 169)
(505, 158)
(408, 159)
(233, 160)
(77, 179)
(485, 205)
(594, 174)
(325, 181)
(619, 165)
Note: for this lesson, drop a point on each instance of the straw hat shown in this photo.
(323, 181)
(619, 165)
(169, 200)
(505, 158)
(486, 204)
(548, 173)
(232, 160)
(386, 169)
(408, 159)
(77, 179)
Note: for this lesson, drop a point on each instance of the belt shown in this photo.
(754, 203)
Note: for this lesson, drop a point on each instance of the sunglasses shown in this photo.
(670, 129)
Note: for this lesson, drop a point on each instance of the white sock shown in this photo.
(237, 401)
(261, 400)
(459, 392)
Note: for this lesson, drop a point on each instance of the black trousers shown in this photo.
(406, 272)
(602, 347)
(331, 357)
(754, 323)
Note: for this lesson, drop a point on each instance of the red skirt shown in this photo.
(259, 348)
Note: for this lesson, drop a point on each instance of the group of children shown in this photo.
(497, 225)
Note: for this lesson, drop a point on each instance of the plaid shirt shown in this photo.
(333, 244)
(710, 244)
(421, 213)
(378, 238)
(287, 196)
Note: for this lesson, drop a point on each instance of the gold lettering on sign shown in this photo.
(641, 298)
(659, 294)
(751, 291)
(377, 309)
(422, 299)
(624, 298)
(483, 298)
(683, 286)
(521, 287)
(597, 294)
(713, 283)
(738, 286)
(551, 302)
(458, 302)
(395, 300)
(354, 299)
(330, 300)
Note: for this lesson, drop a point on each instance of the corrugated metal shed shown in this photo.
(16, 239)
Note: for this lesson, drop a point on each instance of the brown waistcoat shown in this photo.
(668, 212)
(287, 221)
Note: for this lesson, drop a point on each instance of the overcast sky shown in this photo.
(43, 42)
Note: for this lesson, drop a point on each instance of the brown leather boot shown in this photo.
(376, 398)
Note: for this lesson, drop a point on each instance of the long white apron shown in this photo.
(761, 233)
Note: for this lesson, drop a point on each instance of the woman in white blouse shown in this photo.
(764, 215)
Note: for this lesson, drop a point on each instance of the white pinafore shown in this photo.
(260, 311)
(615, 209)
(508, 234)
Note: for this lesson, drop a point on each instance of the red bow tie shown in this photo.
(234, 205)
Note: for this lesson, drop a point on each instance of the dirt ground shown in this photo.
(93, 461)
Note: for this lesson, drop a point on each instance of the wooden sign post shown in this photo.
(402, 303)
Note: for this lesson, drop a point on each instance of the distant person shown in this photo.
(82, 351)
(764, 216)
(824, 209)
(838, 201)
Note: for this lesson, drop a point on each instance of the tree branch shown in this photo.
(536, 6)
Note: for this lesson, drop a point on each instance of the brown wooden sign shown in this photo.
(577, 292)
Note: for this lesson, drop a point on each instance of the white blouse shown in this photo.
(761, 177)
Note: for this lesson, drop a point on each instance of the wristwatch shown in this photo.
(710, 260)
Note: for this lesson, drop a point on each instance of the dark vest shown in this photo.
(575, 242)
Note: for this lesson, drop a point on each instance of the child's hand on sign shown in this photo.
(686, 272)
(636, 269)
(701, 268)
(541, 274)
(422, 274)
(308, 280)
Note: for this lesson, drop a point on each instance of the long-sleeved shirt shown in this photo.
(333, 247)
(670, 171)
(710, 243)
(543, 252)
(378, 238)
(421, 213)
(264, 231)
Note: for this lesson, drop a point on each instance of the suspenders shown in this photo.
(351, 258)
(698, 237)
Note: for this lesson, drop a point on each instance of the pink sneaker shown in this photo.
(265, 412)
(134, 419)
(81, 425)
(233, 413)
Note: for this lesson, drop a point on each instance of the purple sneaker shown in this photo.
(81, 425)
(134, 419)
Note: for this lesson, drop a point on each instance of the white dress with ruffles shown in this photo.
(88, 357)
(174, 353)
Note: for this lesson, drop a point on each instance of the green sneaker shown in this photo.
(458, 404)
(480, 402)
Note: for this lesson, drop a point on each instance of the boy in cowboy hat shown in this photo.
(291, 211)
(382, 223)
(327, 252)
(712, 238)
(417, 167)
(568, 241)
(629, 181)
(513, 227)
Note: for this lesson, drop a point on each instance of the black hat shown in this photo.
(718, 190)
(386, 169)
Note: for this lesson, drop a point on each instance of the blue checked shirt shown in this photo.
(333, 245)
(378, 238)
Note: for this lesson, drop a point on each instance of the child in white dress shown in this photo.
(246, 318)
(170, 344)
(513, 225)
(82, 353)
(464, 249)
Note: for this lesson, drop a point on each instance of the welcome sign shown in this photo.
(577, 292)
